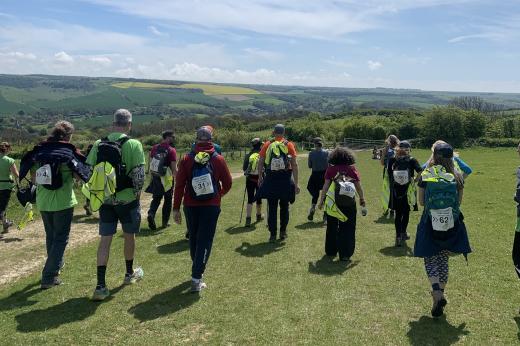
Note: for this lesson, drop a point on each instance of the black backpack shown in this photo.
(159, 162)
(49, 175)
(111, 152)
(402, 164)
(345, 191)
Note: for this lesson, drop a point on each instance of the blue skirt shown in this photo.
(429, 243)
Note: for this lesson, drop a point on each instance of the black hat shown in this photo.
(444, 150)
(405, 144)
(317, 140)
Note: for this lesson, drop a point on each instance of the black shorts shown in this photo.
(4, 199)
(128, 214)
(252, 188)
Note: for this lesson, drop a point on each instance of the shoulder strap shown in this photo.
(123, 140)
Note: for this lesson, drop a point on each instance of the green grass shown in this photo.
(261, 293)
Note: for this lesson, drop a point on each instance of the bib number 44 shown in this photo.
(44, 175)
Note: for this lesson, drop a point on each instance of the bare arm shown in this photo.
(14, 172)
(360, 192)
(326, 186)
(173, 167)
(294, 165)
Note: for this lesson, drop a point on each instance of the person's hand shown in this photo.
(320, 205)
(362, 202)
(297, 189)
(177, 218)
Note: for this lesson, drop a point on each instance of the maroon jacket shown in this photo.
(182, 187)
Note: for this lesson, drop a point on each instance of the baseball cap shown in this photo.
(317, 140)
(443, 149)
(279, 129)
(405, 144)
(255, 141)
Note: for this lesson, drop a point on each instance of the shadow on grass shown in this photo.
(517, 320)
(10, 240)
(393, 251)
(430, 331)
(165, 303)
(72, 310)
(20, 298)
(175, 247)
(384, 220)
(258, 250)
(328, 267)
(310, 225)
(147, 232)
(85, 219)
(240, 229)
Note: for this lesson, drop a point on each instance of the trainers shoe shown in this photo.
(259, 217)
(151, 223)
(6, 225)
(197, 286)
(439, 302)
(100, 293)
(134, 277)
(272, 238)
(345, 259)
(55, 282)
(310, 217)
(248, 222)
(283, 235)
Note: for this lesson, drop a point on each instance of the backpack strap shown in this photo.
(123, 140)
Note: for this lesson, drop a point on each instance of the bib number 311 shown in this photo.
(44, 175)
(202, 185)
(442, 219)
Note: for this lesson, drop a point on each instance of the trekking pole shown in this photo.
(243, 201)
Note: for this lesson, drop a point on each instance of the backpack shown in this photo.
(344, 191)
(252, 168)
(203, 185)
(49, 175)
(159, 164)
(111, 152)
(442, 203)
(277, 157)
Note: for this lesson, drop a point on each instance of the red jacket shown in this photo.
(182, 187)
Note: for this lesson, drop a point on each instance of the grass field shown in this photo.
(288, 293)
(207, 89)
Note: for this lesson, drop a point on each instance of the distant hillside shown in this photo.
(82, 96)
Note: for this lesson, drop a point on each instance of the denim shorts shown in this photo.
(128, 214)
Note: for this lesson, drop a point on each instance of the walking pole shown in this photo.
(243, 201)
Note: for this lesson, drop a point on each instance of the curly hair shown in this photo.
(61, 132)
(5, 147)
(342, 156)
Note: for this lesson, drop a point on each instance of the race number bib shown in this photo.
(346, 188)
(277, 164)
(401, 177)
(154, 165)
(44, 175)
(202, 185)
(442, 219)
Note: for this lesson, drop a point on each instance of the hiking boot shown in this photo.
(55, 282)
(345, 259)
(439, 302)
(134, 277)
(310, 217)
(197, 286)
(6, 225)
(259, 217)
(165, 225)
(272, 238)
(88, 211)
(248, 222)
(151, 223)
(100, 293)
(283, 235)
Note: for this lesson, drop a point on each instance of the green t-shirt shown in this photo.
(60, 199)
(5, 173)
(132, 155)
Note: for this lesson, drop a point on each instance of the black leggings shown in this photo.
(402, 215)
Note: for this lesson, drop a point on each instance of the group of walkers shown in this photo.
(113, 175)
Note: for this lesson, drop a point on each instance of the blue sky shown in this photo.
(459, 45)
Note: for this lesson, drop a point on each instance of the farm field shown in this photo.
(208, 89)
(289, 293)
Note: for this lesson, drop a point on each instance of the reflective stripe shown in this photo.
(275, 147)
(330, 204)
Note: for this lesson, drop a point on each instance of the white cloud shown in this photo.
(101, 60)
(374, 65)
(63, 58)
(19, 55)
(156, 31)
(475, 36)
(324, 19)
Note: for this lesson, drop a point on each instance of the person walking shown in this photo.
(459, 164)
(387, 197)
(342, 183)
(441, 231)
(318, 163)
(163, 166)
(8, 179)
(280, 185)
(203, 179)
(402, 167)
(125, 156)
(53, 165)
(251, 168)
(516, 239)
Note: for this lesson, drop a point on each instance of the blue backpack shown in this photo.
(203, 185)
(439, 197)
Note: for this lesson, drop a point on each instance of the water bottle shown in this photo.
(364, 211)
